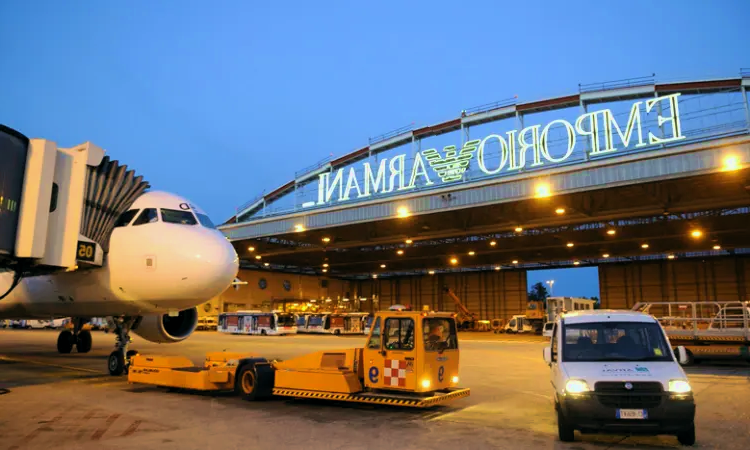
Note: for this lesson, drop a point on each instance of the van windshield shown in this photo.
(615, 341)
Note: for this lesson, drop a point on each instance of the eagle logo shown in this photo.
(452, 166)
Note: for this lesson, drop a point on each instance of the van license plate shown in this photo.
(632, 414)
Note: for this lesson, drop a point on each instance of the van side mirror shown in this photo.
(547, 352)
(682, 356)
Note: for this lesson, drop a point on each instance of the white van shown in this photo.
(615, 372)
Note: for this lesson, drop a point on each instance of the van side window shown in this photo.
(554, 342)
(374, 343)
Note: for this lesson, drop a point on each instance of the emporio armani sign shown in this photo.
(515, 150)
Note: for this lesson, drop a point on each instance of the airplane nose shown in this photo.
(214, 265)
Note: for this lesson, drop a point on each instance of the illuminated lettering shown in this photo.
(378, 182)
(513, 164)
(419, 169)
(593, 130)
(330, 189)
(451, 164)
(400, 159)
(674, 117)
(634, 120)
(534, 145)
(503, 154)
(571, 141)
(351, 182)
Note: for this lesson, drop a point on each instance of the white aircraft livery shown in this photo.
(165, 258)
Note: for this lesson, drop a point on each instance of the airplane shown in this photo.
(165, 258)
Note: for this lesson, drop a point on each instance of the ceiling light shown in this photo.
(325, 265)
(731, 163)
(251, 249)
(493, 243)
(454, 260)
(670, 256)
(326, 239)
(402, 212)
(696, 234)
(519, 229)
(266, 264)
(575, 263)
(515, 261)
(431, 272)
(471, 253)
(570, 244)
(299, 228)
(644, 245)
(497, 267)
(400, 252)
(257, 256)
(606, 255)
(611, 232)
(560, 210)
(542, 190)
(374, 275)
(717, 247)
(325, 270)
(382, 266)
(409, 241)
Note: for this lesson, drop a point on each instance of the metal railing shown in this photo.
(700, 318)
(490, 106)
(390, 134)
(617, 84)
(312, 167)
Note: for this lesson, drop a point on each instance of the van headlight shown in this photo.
(679, 387)
(576, 387)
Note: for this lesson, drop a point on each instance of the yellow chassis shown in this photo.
(220, 371)
(378, 399)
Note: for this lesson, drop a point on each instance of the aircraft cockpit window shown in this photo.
(148, 215)
(176, 216)
(205, 221)
(125, 218)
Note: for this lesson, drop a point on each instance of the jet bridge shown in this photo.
(58, 206)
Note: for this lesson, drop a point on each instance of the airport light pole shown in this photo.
(551, 283)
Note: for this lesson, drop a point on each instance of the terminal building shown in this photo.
(644, 179)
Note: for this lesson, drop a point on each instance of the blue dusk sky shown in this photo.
(219, 101)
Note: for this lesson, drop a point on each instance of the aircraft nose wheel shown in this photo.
(65, 341)
(83, 345)
(116, 363)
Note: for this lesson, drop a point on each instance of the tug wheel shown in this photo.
(245, 385)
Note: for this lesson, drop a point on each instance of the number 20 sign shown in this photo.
(86, 251)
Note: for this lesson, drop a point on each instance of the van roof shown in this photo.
(606, 315)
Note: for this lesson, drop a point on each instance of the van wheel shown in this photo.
(565, 432)
(687, 437)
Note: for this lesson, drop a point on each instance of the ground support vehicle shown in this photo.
(615, 372)
(257, 322)
(411, 359)
(518, 324)
(707, 330)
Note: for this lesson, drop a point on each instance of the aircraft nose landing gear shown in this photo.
(119, 360)
(79, 338)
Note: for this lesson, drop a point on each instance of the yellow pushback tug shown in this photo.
(411, 359)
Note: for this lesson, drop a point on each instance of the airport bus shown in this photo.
(257, 322)
(344, 323)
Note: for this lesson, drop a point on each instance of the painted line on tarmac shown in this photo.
(503, 341)
(40, 363)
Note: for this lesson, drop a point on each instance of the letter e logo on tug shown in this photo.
(374, 372)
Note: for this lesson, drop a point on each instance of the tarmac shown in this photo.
(56, 401)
